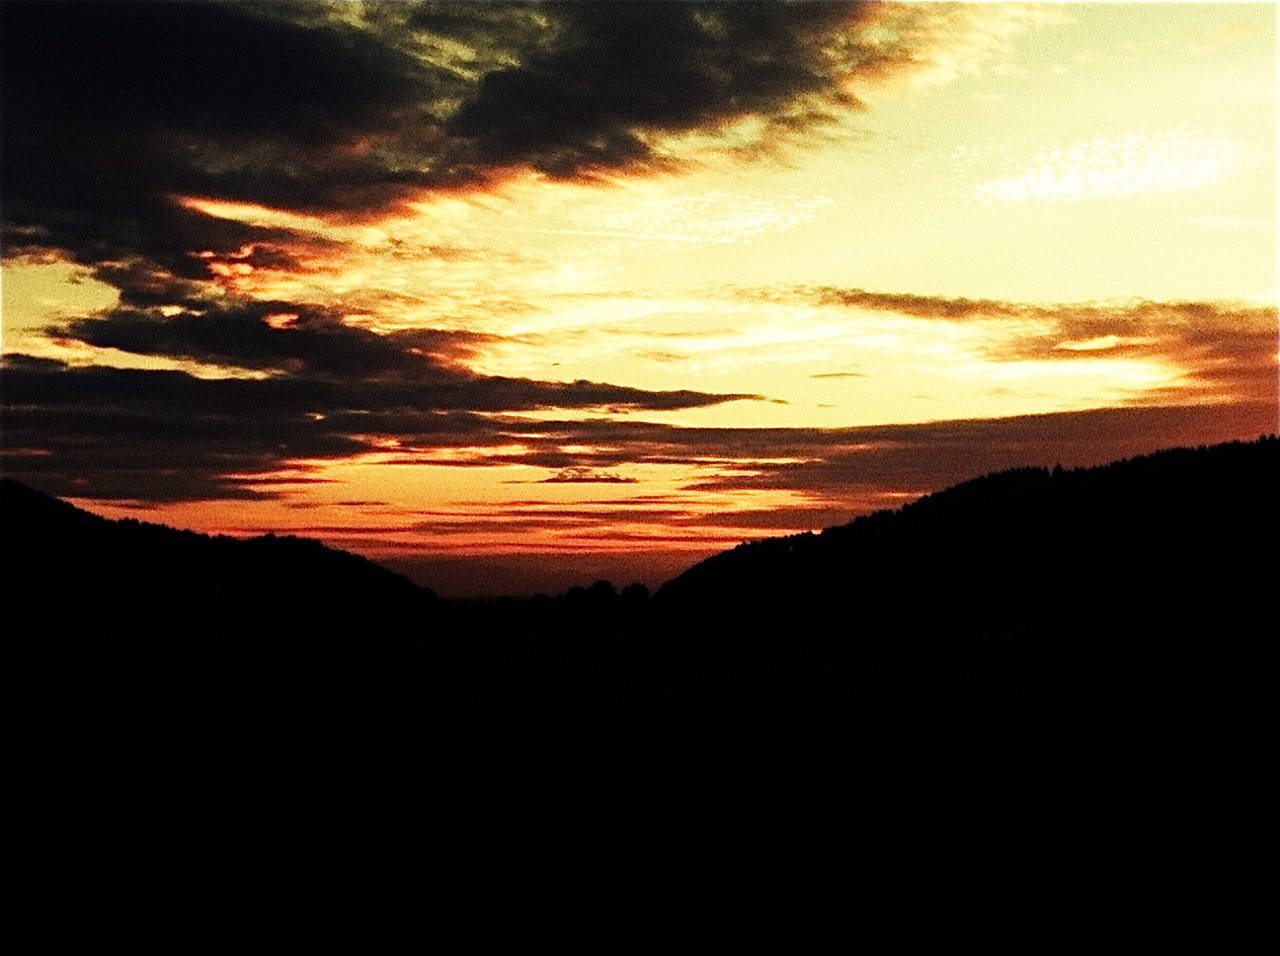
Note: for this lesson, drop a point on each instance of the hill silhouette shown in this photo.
(1178, 539)
(1062, 671)
(82, 574)
(1078, 655)
(1047, 598)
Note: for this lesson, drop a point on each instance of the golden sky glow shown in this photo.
(1059, 210)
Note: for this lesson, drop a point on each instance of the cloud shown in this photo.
(158, 436)
(417, 368)
(611, 76)
(293, 382)
(280, 336)
(818, 477)
(1225, 350)
(112, 108)
(887, 461)
(587, 476)
(931, 44)
(1134, 163)
(861, 468)
(777, 519)
(115, 111)
(922, 306)
(330, 391)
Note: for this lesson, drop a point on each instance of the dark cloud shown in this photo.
(843, 473)
(516, 521)
(613, 74)
(299, 339)
(1239, 364)
(131, 434)
(923, 306)
(112, 109)
(156, 435)
(587, 476)
(316, 347)
(144, 284)
(122, 433)
(890, 460)
(777, 519)
(863, 468)
(1074, 321)
(592, 514)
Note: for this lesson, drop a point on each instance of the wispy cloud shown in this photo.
(1134, 163)
(1226, 350)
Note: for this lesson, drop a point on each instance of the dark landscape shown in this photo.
(464, 302)
(1135, 594)
(1048, 684)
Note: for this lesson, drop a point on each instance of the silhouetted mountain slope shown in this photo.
(1130, 601)
(73, 569)
(1183, 537)
(1098, 636)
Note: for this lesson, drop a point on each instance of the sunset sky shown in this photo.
(515, 296)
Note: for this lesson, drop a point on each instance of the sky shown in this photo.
(514, 296)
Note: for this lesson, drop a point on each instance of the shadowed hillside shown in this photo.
(84, 575)
(1090, 597)
(1175, 542)
(1070, 660)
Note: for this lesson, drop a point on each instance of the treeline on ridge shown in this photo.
(82, 573)
(1178, 537)
(1166, 539)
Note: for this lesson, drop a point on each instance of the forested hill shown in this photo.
(1183, 536)
(74, 569)
(1084, 598)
